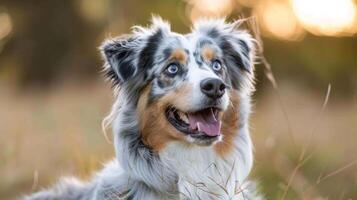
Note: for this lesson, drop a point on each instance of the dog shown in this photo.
(180, 117)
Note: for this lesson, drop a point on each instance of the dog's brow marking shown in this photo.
(179, 54)
(208, 53)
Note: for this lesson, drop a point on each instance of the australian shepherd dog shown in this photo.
(180, 117)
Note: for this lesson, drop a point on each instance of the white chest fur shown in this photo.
(205, 175)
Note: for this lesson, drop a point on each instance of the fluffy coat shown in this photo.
(155, 161)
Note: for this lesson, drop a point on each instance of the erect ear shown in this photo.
(128, 56)
(238, 50)
(119, 55)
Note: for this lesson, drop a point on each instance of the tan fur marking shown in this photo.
(155, 130)
(208, 53)
(230, 125)
(180, 55)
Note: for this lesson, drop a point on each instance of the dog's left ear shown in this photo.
(119, 55)
(238, 46)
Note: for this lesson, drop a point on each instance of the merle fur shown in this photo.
(142, 174)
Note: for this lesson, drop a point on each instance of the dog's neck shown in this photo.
(204, 173)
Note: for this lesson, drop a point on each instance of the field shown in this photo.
(47, 135)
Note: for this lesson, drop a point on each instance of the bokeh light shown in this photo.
(209, 8)
(5, 25)
(326, 17)
(93, 10)
(286, 19)
(278, 20)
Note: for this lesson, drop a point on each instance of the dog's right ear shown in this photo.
(119, 56)
(125, 55)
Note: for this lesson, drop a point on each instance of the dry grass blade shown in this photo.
(327, 97)
(219, 185)
(296, 169)
(320, 179)
(216, 168)
(35, 180)
(208, 192)
(302, 159)
(230, 173)
(240, 190)
(269, 72)
(329, 175)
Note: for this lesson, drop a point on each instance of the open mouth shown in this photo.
(202, 124)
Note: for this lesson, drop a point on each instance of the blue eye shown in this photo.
(172, 69)
(216, 65)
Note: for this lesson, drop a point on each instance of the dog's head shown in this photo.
(184, 87)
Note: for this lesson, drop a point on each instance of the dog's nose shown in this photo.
(213, 87)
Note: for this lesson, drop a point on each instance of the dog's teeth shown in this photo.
(184, 118)
(214, 114)
(181, 115)
(198, 126)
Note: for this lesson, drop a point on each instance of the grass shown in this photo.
(47, 135)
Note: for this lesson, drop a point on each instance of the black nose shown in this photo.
(213, 87)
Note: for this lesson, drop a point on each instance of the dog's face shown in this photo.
(184, 87)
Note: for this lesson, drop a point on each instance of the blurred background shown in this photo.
(53, 97)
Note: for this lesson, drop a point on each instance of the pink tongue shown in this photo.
(206, 122)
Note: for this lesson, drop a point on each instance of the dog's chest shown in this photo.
(203, 174)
